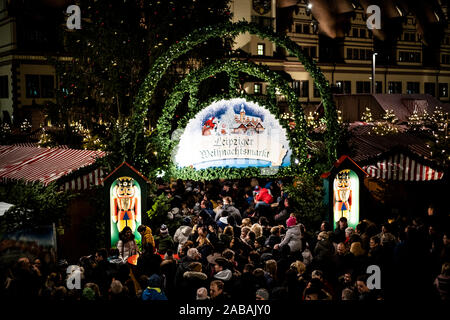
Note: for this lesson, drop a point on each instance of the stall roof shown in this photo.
(366, 147)
(43, 165)
(402, 156)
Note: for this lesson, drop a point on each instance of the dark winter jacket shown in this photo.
(273, 240)
(164, 243)
(281, 217)
(153, 291)
(192, 280)
(324, 251)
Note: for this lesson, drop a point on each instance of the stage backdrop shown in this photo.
(233, 133)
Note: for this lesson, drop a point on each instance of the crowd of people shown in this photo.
(246, 241)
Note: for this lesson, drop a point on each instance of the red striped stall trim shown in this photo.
(44, 165)
(402, 168)
(86, 181)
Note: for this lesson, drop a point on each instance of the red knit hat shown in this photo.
(291, 222)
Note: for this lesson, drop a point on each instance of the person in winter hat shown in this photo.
(164, 240)
(202, 294)
(153, 291)
(193, 279)
(293, 236)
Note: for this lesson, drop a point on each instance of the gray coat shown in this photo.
(293, 238)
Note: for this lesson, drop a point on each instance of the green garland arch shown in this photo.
(145, 94)
(189, 84)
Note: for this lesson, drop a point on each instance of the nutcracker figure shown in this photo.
(342, 194)
(125, 210)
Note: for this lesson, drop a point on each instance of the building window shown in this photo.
(39, 86)
(443, 89)
(344, 87)
(395, 87)
(355, 32)
(304, 89)
(298, 28)
(47, 86)
(359, 54)
(296, 87)
(311, 51)
(4, 94)
(306, 29)
(261, 49)
(263, 21)
(409, 36)
(412, 87)
(349, 53)
(446, 59)
(32, 86)
(301, 88)
(362, 33)
(430, 88)
(362, 86)
(408, 56)
(316, 92)
(257, 88)
(378, 87)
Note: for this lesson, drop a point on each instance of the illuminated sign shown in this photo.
(125, 203)
(233, 133)
(346, 197)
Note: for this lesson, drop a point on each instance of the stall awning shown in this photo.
(46, 165)
(400, 167)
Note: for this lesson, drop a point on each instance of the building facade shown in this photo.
(28, 36)
(346, 59)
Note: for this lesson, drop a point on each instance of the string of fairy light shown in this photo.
(434, 125)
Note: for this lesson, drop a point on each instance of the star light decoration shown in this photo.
(435, 126)
(386, 126)
(25, 126)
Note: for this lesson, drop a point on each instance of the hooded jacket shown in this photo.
(153, 291)
(182, 235)
(189, 283)
(293, 238)
(224, 275)
(165, 242)
(147, 237)
(264, 195)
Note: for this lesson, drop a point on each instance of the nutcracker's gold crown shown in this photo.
(344, 175)
(125, 181)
